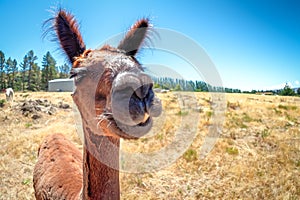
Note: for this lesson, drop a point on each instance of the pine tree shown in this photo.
(177, 88)
(49, 71)
(64, 71)
(8, 70)
(287, 91)
(2, 72)
(24, 67)
(36, 78)
(190, 86)
(14, 69)
(31, 62)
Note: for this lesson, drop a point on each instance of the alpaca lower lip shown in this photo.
(136, 131)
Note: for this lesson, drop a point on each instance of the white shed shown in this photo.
(61, 85)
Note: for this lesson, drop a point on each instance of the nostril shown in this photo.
(144, 91)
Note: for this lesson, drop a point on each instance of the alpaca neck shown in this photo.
(100, 167)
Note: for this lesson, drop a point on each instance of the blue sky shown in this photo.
(253, 44)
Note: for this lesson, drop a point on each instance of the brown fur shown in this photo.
(63, 177)
(61, 172)
(133, 40)
(70, 38)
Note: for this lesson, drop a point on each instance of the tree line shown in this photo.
(28, 75)
(201, 86)
(189, 85)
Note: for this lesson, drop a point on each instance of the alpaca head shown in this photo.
(113, 94)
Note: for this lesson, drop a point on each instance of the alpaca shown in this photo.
(9, 93)
(115, 100)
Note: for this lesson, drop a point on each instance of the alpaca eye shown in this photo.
(78, 73)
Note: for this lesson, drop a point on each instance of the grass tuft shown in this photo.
(265, 133)
(182, 113)
(232, 150)
(27, 125)
(287, 107)
(190, 155)
(26, 181)
(233, 105)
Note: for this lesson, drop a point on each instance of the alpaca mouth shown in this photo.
(129, 118)
(134, 131)
(110, 126)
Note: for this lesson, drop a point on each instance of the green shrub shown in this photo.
(2, 102)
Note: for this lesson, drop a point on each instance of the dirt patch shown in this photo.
(35, 108)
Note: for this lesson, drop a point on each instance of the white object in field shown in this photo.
(9, 92)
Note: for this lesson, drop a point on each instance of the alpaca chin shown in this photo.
(134, 132)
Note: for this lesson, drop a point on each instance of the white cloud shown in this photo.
(297, 82)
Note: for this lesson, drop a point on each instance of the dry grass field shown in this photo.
(257, 155)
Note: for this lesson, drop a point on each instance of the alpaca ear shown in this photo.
(135, 37)
(67, 31)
